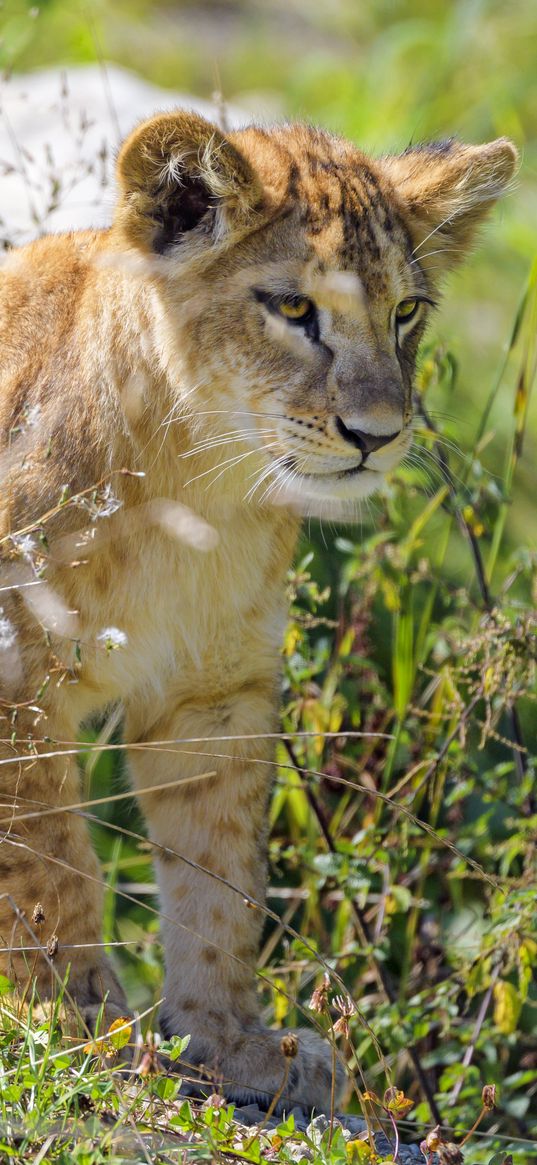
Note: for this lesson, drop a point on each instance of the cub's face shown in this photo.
(297, 277)
(315, 336)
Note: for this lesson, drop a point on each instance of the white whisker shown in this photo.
(433, 232)
(265, 472)
(215, 442)
(438, 251)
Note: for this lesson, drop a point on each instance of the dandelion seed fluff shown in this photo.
(8, 633)
(25, 545)
(112, 637)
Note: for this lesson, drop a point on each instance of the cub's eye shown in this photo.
(299, 311)
(297, 308)
(406, 310)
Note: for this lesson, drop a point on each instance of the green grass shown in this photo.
(404, 856)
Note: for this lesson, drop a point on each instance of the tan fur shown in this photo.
(146, 349)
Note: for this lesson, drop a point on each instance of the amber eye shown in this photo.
(406, 310)
(295, 309)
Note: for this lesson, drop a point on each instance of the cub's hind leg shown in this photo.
(209, 836)
(46, 858)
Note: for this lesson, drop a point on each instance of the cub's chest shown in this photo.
(169, 607)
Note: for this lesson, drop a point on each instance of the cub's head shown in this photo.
(295, 278)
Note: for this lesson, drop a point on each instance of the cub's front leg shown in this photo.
(51, 885)
(207, 833)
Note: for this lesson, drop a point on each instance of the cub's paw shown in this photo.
(256, 1066)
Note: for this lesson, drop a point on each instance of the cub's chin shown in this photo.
(336, 497)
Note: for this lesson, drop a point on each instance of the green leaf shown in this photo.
(167, 1087)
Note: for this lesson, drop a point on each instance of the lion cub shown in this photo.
(236, 350)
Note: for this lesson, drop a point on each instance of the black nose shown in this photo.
(365, 442)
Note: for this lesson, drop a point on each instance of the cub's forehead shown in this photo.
(344, 206)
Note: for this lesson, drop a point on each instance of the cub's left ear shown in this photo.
(447, 189)
(181, 178)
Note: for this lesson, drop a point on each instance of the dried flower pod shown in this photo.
(319, 999)
(488, 1096)
(450, 1154)
(289, 1046)
(345, 1005)
(52, 946)
(38, 914)
(150, 1065)
(433, 1140)
(341, 1027)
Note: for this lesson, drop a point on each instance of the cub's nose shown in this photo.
(365, 442)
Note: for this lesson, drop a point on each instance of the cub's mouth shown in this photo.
(361, 468)
(332, 486)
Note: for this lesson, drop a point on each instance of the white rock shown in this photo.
(59, 133)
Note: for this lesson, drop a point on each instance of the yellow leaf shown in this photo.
(360, 1153)
(507, 1007)
(291, 640)
(527, 956)
(397, 1103)
(391, 594)
(92, 1049)
(119, 1033)
(372, 1097)
(281, 1002)
(528, 952)
(472, 521)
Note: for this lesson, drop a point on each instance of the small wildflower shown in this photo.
(215, 1101)
(38, 914)
(346, 1008)
(112, 638)
(319, 998)
(289, 1046)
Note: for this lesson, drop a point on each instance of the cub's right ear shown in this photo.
(180, 178)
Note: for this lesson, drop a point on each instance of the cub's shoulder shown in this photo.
(49, 262)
